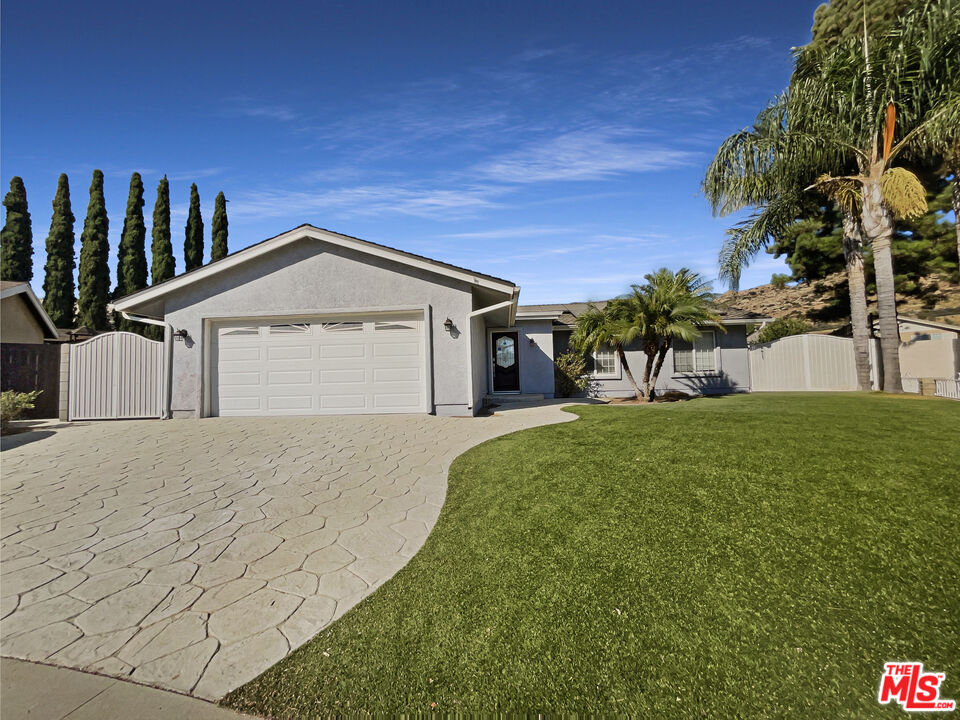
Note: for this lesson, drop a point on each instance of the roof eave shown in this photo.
(156, 292)
(36, 306)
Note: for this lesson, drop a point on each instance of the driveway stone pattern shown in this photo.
(193, 555)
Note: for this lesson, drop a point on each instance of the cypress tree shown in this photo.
(16, 238)
(163, 266)
(132, 257)
(219, 246)
(58, 287)
(193, 243)
(94, 275)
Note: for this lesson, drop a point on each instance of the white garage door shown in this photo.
(321, 365)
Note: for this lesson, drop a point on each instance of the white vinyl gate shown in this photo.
(116, 375)
(808, 362)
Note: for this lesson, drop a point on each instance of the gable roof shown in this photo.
(10, 288)
(567, 313)
(307, 231)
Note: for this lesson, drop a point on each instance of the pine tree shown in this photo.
(16, 238)
(219, 246)
(94, 275)
(132, 257)
(164, 264)
(193, 243)
(58, 287)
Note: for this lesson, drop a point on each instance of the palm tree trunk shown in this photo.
(656, 370)
(626, 370)
(647, 368)
(878, 227)
(956, 206)
(853, 255)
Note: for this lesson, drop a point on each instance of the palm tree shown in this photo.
(666, 307)
(755, 168)
(846, 101)
(825, 131)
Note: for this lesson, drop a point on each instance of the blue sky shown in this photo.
(557, 144)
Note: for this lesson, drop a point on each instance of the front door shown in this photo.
(506, 362)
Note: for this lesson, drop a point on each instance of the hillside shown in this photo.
(803, 300)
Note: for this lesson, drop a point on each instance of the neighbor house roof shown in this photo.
(925, 323)
(567, 313)
(307, 231)
(10, 288)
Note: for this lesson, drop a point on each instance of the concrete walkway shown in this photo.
(42, 692)
(193, 555)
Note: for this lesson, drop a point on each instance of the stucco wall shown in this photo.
(536, 357)
(733, 374)
(478, 348)
(930, 359)
(312, 276)
(17, 322)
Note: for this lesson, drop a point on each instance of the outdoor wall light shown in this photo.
(448, 325)
(532, 342)
(180, 335)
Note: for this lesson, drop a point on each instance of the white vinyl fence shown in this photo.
(808, 362)
(948, 389)
(942, 388)
(116, 375)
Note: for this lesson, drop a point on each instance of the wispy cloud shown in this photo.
(582, 155)
(195, 174)
(250, 107)
(514, 232)
(436, 203)
(127, 172)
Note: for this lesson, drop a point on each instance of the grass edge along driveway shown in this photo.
(758, 555)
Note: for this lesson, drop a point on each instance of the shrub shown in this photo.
(12, 403)
(569, 374)
(780, 281)
(782, 327)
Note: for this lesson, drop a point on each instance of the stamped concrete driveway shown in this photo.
(193, 555)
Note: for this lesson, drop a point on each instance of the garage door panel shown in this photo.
(290, 377)
(242, 379)
(293, 352)
(240, 403)
(396, 349)
(395, 400)
(338, 376)
(352, 365)
(292, 402)
(343, 402)
(395, 374)
(351, 351)
(239, 354)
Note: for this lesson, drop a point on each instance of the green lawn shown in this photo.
(753, 556)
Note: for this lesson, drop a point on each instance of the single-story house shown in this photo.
(315, 322)
(28, 358)
(928, 349)
(22, 317)
(716, 362)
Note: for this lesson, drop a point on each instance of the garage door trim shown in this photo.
(209, 322)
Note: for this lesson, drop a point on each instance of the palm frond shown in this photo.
(748, 238)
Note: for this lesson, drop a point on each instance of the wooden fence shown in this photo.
(27, 367)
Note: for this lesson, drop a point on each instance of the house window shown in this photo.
(341, 327)
(231, 332)
(700, 356)
(605, 363)
(398, 325)
(290, 329)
